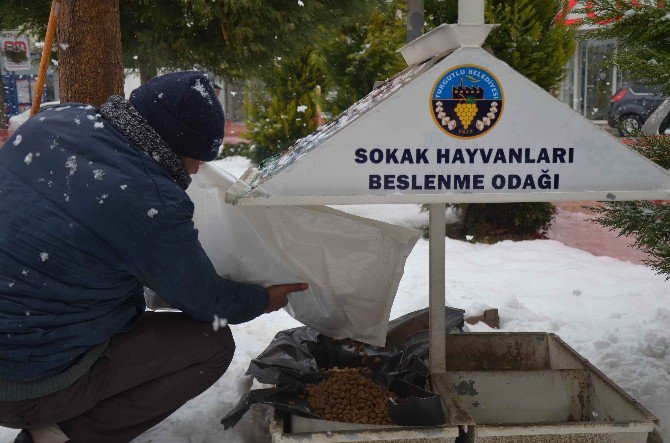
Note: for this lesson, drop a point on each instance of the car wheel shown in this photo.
(629, 125)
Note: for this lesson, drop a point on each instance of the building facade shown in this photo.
(19, 79)
(589, 83)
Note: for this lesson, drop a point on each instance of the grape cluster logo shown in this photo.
(467, 101)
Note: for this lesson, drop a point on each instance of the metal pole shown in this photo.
(471, 12)
(415, 19)
(46, 57)
(437, 355)
(615, 73)
(575, 80)
(586, 78)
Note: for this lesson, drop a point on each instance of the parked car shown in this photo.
(17, 120)
(658, 123)
(631, 106)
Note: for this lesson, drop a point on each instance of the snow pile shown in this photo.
(409, 216)
(234, 165)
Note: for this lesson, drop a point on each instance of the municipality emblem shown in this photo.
(467, 101)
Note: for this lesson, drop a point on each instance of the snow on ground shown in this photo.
(409, 216)
(615, 313)
(233, 165)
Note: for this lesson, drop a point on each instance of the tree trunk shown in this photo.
(148, 69)
(89, 51)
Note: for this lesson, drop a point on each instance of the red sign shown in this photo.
(15, 46)
(10, 43)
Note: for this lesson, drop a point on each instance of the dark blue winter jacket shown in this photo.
(87, 220)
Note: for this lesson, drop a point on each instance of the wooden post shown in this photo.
(46, 57)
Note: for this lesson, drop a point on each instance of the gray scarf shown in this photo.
(129, 123)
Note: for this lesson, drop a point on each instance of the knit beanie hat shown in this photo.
(183, 109)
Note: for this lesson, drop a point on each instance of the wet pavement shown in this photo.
(574, 227)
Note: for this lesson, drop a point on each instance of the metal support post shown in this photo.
(415, 19)
(471, 12)
(437, 360)
(436, 287)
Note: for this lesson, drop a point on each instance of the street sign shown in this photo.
(15, 52)
(465, 128)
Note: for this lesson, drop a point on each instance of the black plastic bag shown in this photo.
(296, 357)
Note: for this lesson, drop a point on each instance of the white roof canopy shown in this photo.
(462, 126)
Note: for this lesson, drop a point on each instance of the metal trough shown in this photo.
(283, 429)
(507, 388)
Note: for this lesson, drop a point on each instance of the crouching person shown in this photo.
(93, 208)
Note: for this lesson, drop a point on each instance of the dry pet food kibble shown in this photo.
(349, 396)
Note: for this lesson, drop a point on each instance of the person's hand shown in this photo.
(279, 295)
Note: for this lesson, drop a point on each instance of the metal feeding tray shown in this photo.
(533, 387)
(506, 388)
(286, 429)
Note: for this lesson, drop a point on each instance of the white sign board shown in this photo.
(466, 129)
(15, 44)
(23, 90)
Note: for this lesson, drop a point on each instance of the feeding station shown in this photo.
(459, 125)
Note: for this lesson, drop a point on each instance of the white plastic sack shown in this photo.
(353, 265)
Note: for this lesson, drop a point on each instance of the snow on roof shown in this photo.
(277, 164)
